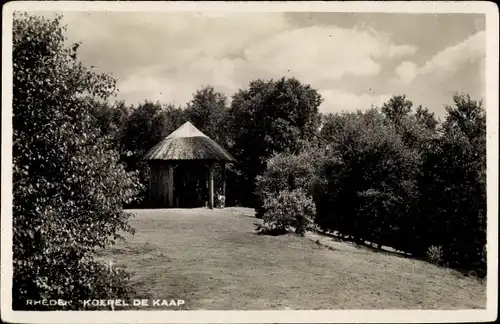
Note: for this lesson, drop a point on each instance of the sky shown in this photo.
(354, 60)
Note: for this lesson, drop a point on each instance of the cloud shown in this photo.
(168, 56)
(341, 100)
(448, 61)
(457, 68)
(401, 50)
(452, 58)
(128, 41)
(322, 53)
(407, 71)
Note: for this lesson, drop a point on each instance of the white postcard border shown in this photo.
(323, 316)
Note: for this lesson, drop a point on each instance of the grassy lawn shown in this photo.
(214, 260)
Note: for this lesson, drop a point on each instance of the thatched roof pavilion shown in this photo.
(189, 152)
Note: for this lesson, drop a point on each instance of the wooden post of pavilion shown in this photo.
(224, 179)
(170, 186)
(150, 188)
(211, 186)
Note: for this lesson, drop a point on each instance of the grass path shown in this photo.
(214, 260)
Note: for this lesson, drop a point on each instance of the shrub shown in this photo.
(435, 254)
(289, 210)
(286, 171)
(94, 280)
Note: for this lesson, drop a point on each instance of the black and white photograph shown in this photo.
(238, 162)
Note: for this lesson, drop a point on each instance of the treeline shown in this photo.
(394, 175)
(270, 116)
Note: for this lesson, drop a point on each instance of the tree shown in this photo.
(68, 184)
(426, 118)
(403, 179)
(397, 108)
(146, 125)
(453, 187)
(269, 117)
(111, 119)
(416, 128)
(367, 183)
(208, 112)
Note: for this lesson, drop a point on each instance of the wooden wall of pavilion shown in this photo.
(173, 184)
(161, 174)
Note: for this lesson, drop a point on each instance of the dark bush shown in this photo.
(367, 182)
(401, 178)
(286, 171)
(453, 188)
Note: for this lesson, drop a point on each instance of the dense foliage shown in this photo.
(144, 127)
(208, 111)
(397, 176)
(68, 184)
(271, 116)
(453, 187)
(287, 171)
(288, 210)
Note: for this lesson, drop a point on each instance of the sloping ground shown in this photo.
(214, 260)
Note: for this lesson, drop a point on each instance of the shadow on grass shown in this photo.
(244, 215)
(368, 245)
(146, 250)
(271, 232)
(371, 247)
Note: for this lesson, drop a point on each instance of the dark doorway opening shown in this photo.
(190, 186)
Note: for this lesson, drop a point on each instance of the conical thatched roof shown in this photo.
(188, 143)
